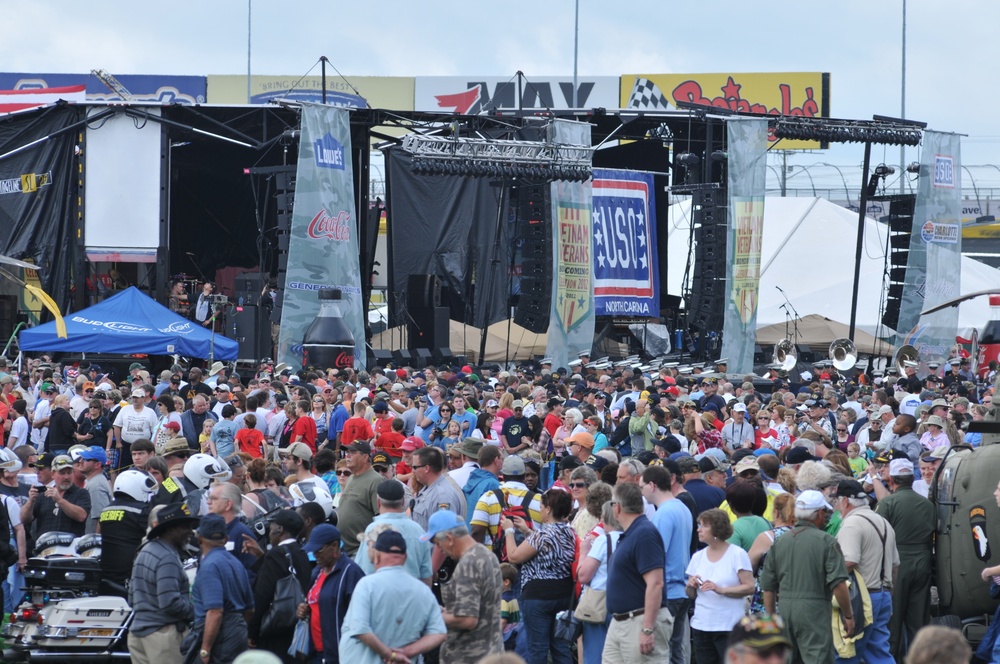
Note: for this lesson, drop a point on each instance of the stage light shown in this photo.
(687, 159)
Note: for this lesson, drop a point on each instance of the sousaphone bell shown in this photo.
(843, 354)
(784, 355)
(906, 355)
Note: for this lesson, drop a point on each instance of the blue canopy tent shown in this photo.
(129, 322)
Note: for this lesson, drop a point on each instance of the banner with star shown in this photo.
(626, 278)
(747, 167)
(571, 321)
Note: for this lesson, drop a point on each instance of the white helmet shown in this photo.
(9, 461)
(308, 491)
(203, 469)
(136, 484)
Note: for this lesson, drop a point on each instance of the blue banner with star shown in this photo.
(626, 278)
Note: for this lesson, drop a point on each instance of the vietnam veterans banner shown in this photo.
(935, 249)
(626, 274)
(323, 247)
(571, 323)
(747, 168)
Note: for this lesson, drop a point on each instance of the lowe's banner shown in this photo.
(933, 267)
(626, 276)
(571, 322)
(747, 142)
(323, 247)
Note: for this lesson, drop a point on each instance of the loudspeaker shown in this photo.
(247, 333)
(534, 228)
(428, 327)
(423, 290)
(249, 285)
(378, 357)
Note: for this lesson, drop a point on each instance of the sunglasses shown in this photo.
(577, 485)
(418, 467)
(344, 473)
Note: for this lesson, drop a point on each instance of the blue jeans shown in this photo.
(539, 617)
(680, 639)
(593, 640)
(873, 646)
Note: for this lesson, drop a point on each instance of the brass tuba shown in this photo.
(905, 354)
(784, 354)
(843, 354)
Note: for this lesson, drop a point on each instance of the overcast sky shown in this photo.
(951, 78)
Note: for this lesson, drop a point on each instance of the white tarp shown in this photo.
(808, 251)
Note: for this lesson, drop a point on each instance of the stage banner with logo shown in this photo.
(747, 167)
(935, 250)
(571, 323)
(323, 247)
(626, 273)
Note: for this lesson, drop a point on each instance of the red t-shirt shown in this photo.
(315, 626)
(403, 468)
(383, 425)
(551, 424)
(356, 428)
(251, 441)
(390, 443)
(306, 428)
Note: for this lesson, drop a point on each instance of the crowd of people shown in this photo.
(605, 511)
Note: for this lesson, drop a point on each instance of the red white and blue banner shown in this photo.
(626, 276)
(323, 247)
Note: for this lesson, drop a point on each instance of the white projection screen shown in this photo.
(122, 189)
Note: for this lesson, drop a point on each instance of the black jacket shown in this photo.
(273, 566)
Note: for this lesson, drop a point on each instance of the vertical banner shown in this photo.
(626, 270)
(747, 168)
(571, 323)
(935, 246)
(323, 247)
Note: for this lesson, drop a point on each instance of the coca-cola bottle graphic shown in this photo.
(989, 341)
(328, 342)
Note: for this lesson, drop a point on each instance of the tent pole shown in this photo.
(862, 204)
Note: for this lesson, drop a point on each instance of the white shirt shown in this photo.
(713, 612)
(136, 424)
(43, 409)
(461, 475)
(19, 433)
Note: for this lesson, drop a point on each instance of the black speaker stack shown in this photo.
(427, 323)
(534, 230)
(707, 300)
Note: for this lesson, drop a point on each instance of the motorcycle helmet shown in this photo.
(9, 461)
(136, 484)
(203, 469)
(309, 492)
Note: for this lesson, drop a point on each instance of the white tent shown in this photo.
(808, 252)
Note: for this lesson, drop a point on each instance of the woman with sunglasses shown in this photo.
(766, 436)
(579, 484)
(842, 435)
(343, 477)
(438, 433)
(320, 413)
(547, 585)
(167, 409)
(593, 426)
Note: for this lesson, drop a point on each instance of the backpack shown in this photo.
(510, 511)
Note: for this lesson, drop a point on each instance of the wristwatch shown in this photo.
(204, 653)
(647, 631)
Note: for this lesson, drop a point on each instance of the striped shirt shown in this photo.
(488, 508)
(556, 547)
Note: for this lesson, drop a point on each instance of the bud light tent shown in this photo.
(129, 322)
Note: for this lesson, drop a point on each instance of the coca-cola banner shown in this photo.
(933, 268)
(323, 247)
(571, 319)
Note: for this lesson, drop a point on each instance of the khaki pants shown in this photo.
(161, 647)
(622, 643)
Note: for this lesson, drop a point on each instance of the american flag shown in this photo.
(18, 100)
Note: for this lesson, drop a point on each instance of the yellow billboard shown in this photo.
(804, 94)
(391, 92)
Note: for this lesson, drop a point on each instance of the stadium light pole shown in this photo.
(249, 14)
(576, 49)
(902, 109)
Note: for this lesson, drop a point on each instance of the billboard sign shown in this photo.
(162, 89)
(472, 95)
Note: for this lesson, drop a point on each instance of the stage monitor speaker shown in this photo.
(424, 358)
(423, 290)
(443, 355)
(428, 327)
(247, 333)
(404, 357)
(378, 357)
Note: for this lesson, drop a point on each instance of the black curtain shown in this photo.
(447, 225)
(38, 189)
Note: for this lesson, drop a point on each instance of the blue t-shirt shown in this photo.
(221, 583)
(640, 550)
(434, 416)
(337, 419)
(467, 416)
(224, 437)
(673, 520)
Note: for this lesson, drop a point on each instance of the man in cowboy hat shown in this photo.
(469, 449)
(159, 592)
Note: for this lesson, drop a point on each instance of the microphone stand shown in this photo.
(795, 320)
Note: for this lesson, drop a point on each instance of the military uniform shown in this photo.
(475, 590)
(803, 568)
(912, 517)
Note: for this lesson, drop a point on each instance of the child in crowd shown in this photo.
(205, 438)
(859, 465)
(510, 611)
(391, 441)
(249, 439)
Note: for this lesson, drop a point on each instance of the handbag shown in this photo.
(593, 606)
(288, 595)
(300, 647)
(568, 627)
